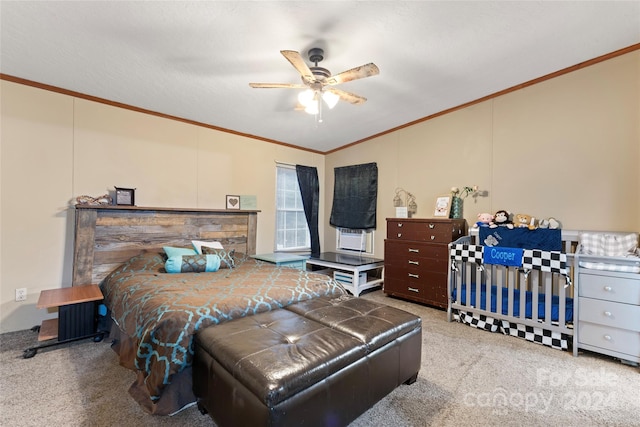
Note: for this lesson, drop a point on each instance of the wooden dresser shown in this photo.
(609, 313)
(416, 258)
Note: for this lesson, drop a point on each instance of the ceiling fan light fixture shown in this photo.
(312, 108)
(306, 97)
(330, 98)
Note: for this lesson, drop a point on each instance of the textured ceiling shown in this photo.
(194, 60)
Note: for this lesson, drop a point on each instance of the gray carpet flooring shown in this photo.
(468, 377)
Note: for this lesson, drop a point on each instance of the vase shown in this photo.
(456, 208)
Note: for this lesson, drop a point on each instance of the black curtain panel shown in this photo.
(355, 196)
(310, 192)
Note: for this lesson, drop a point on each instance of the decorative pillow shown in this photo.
(192, 263)
(603, 244)
(592, 244)
(198, 244)
(226, 257)
(172, 251)
(620, 244)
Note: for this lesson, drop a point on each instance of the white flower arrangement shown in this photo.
(462, 194)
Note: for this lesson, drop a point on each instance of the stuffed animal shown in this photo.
(484, 220)
(525, 221)
(550, 223)
(501, 218)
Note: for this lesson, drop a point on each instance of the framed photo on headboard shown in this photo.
(443, 206)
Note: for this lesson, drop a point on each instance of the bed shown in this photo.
(155, 313)
(526, 293)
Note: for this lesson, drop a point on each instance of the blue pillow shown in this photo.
(171, 251)
(226, 257)
(192, 263)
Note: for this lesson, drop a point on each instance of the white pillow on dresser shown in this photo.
(198, 244)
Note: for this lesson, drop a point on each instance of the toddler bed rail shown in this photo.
(531, 300)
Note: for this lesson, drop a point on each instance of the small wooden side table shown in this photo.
(77, 316)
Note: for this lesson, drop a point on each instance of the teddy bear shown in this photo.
(525, 221)
(501, 218)
(550, 223)
(484, 220)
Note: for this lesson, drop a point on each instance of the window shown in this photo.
(292, 232)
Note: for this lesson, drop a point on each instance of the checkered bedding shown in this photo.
(532, 259)
(607, 266)
(607, 247)
(542, 336)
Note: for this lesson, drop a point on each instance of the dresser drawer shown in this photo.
(424, 231)
(397, 252)
(614, 314)
(421, 274)
(400, 285)
(619, 340)
(425, 291)
(610, 288)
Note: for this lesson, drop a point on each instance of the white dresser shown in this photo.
(608, 313)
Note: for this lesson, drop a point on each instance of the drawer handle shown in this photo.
(607, 288)
(607, 337)
(399, 235)
(399, 224)
(433, 237)
(432, 225)
(415, 276)
(414, 262)
(413, 289)
(607, 313)
(414, 250)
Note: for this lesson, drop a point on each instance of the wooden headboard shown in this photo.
(107, 236)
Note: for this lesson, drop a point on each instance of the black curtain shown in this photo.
(355, 195)
(310, 192)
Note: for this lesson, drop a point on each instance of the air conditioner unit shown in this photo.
(353, 240)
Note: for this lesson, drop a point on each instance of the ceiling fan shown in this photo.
(319, 82)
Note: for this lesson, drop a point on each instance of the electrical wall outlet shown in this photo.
(21, 294)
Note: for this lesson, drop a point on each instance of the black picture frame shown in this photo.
(125, 196)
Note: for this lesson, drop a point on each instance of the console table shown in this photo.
(348, 268)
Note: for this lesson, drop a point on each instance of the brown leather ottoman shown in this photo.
(321, 362)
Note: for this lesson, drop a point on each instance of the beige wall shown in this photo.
(567, 148)
(55, 147)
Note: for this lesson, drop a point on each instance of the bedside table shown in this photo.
(284, 260)
(77, 316)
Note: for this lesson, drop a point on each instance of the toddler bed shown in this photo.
(524, 289)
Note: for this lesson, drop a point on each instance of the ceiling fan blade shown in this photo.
(347, 96)
(360, 72)
(298, 63)
(278, 85)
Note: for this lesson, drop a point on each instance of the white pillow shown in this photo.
(198, 244)
(592, 243)
(604, 244)
(620, 244)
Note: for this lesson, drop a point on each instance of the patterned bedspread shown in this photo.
(162, 311)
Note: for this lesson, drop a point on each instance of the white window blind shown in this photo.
(292, 232)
